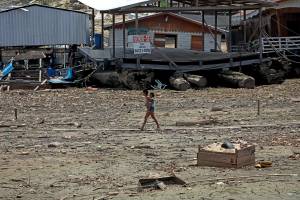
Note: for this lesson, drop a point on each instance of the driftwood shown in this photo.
(195, 123)
(179, 83)
(12, 125)
(42, 83)
(195, 80)
(237, 79)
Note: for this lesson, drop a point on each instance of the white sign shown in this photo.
(142, 48)
(141, 44)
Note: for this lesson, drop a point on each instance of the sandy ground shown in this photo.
(81, 144)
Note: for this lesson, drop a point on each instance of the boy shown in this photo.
(150, 105)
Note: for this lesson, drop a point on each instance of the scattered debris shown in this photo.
(263, 164)
(159, 182)
(24, 153)
(295, 156)
(54, 144)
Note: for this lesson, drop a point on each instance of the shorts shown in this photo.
(152, 109)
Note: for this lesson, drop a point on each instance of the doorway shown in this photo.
(165, 40)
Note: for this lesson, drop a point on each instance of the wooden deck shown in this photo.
(175, 59)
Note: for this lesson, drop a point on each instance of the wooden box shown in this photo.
(241, 158)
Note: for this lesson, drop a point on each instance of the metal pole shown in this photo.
(260, 36)
(124, 36)
(102, 30)
(216, 29)
(203, 30)
(114, 35)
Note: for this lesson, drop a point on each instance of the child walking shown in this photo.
(150, 105)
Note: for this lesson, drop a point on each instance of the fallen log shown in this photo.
(179, 83)
(237, 79)
(195, 80)
(136, 80)
(110, 79)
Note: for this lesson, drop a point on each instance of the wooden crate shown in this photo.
(240, 158)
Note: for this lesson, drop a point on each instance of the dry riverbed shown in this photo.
(85, 144)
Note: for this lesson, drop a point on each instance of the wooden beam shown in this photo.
(245, 26)
(138, 59)
(230, 32)
(278, 21)
(124, 36)
(260, 36)
(216, 30)
(203, 30)
(114, 34)
(93, 26)
(182, 9)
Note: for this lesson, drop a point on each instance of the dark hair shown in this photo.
(151, 94)
(145, 92)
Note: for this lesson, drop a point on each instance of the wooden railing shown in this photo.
(281, 43)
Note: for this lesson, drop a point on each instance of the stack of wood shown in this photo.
(237, 79)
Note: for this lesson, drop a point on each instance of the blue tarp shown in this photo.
(8, 69)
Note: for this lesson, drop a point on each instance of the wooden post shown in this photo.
(203, 29)
(216, 29)
(258, 107)
(40, 72)
(260, 36)
(245, 27)
(93, 27)
(102, 30)
(114, 35)
(124, 37)
(278, 23)
(138, 59)
(230, 33)
(230, 37)
(171, 3)
(65, 56)
(0, 55)
(16, 114)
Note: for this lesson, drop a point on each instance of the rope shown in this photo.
(286, 49)
(278, 52)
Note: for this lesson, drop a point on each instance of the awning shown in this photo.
(105, 5)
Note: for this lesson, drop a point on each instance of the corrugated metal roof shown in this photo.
(113, 4)
(44, 6)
